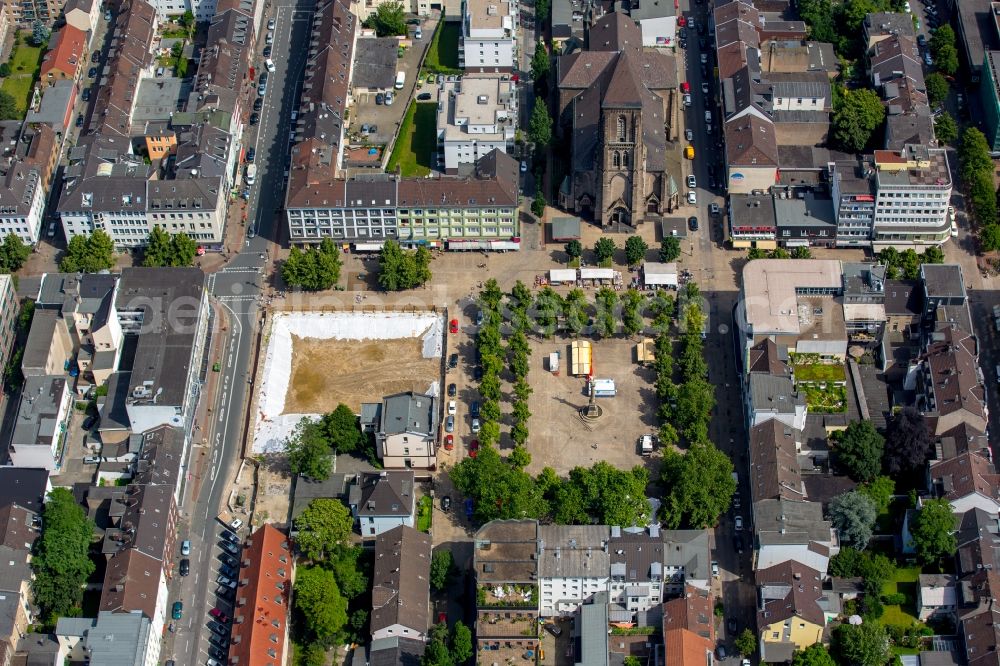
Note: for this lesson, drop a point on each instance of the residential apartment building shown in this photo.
(109, 638)
(9, 310)
(787, 530)
(29, 156)
(407, 430)
(488, 42)
(689, 628)
(24, 13)
(401, 584)
(476, 115)
(260, 617)
(471, 213)
(66, 56)
(83, 15)
(790, 611)
(167, 308)
(574, 564)
(39, 439)
(948, 381)
(853, 193)
(913, 188)
(381, 501)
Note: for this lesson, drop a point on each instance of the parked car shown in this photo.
(92, 72)
(449, 424)
(691, 181)
(715, 568)
(216, 653)
(449, 442)
(379, 99)
(739, 522)
(185, 547)
(177, 612)
(524, 166)
(453, 326)
(225, 593)
(221, 641)
(693, 223)
(228, 571)
(219, 615)
(475, 426)
(423, 97)
(92, 460)
(90, 422)
(230, 536)
(270, 24)
(452, 390)
(79, 120)
(388, 98)
(692, 198)
(258, 104)
(251, 154)
(474, 448)
(713, 209)
(452, 408)
(453, 361)
(689, 134)
(254, 117)
(267, 51)
(228, 559)
(235, 524)
(230, 548)
(225, 582)
(217, 628)
(446, 503)
(85, 95)
(95, 57)
(184, 568)
(553, 629)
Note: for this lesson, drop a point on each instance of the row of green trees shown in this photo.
(605, 248)
(861, 452)
(329, 588)
(61, 562)
(312, 269)
(448, 648)
(906, 264)
(88, 254)
(400, 269)
(976, 170)
(165, 249)
(311, 446)
(491, 358)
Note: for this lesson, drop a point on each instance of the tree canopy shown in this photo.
(312, 269)
(670, 249)
(399, 269)
(342, 430)
(389, 20)
(604, 249)
(309, 451)
(13, 253)
(814, 655)
(163, 249)
(945, 128)
(937, 87)
(540, 63)
(854, 514)
(323, 526)
(943, 49)
(857, 114)
(858, 450)
(322, 607)
(61, 562)
(442, 569)
(8, 106)
(88, 254)
(933, 531)
(635, 250)
(574, 249)
(908, 442)
(699, 486)
(540, 125)
(862, 645)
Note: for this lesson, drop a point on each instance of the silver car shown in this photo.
(449, 424)
(475, 425)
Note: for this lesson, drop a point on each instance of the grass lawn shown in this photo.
(819, 372)
(904, 582)
(416, 143)
(831, 400)
(425, 513)
(25, 62)
(442, 55)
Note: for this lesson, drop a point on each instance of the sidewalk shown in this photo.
(202, 428)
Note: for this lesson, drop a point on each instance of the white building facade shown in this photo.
(477, 115)
(489, 35)
(911, 201)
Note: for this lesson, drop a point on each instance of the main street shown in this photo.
(238, 289)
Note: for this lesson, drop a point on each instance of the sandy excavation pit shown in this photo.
(326, 373)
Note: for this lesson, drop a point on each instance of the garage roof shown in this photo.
(375, 63)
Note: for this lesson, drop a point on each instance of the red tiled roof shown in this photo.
(66, 52)
(262, 599)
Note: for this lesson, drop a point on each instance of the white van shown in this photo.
(251, 174)
(270, 65)
(400, 80)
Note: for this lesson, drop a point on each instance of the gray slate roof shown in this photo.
(386, 493)
(408, 412)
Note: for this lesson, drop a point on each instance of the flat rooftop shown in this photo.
(476, 101)
(162, 306)
(913, 166)
(489, 14)
(771, 289)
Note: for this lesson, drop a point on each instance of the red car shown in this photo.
(442, 618)
(449, 442)
(453, 326)
(681, 21)
(686, 88)
(219, 615)
(473, 448)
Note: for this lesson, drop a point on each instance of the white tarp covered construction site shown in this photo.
(272, 426)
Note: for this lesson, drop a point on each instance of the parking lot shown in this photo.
(387, 118)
